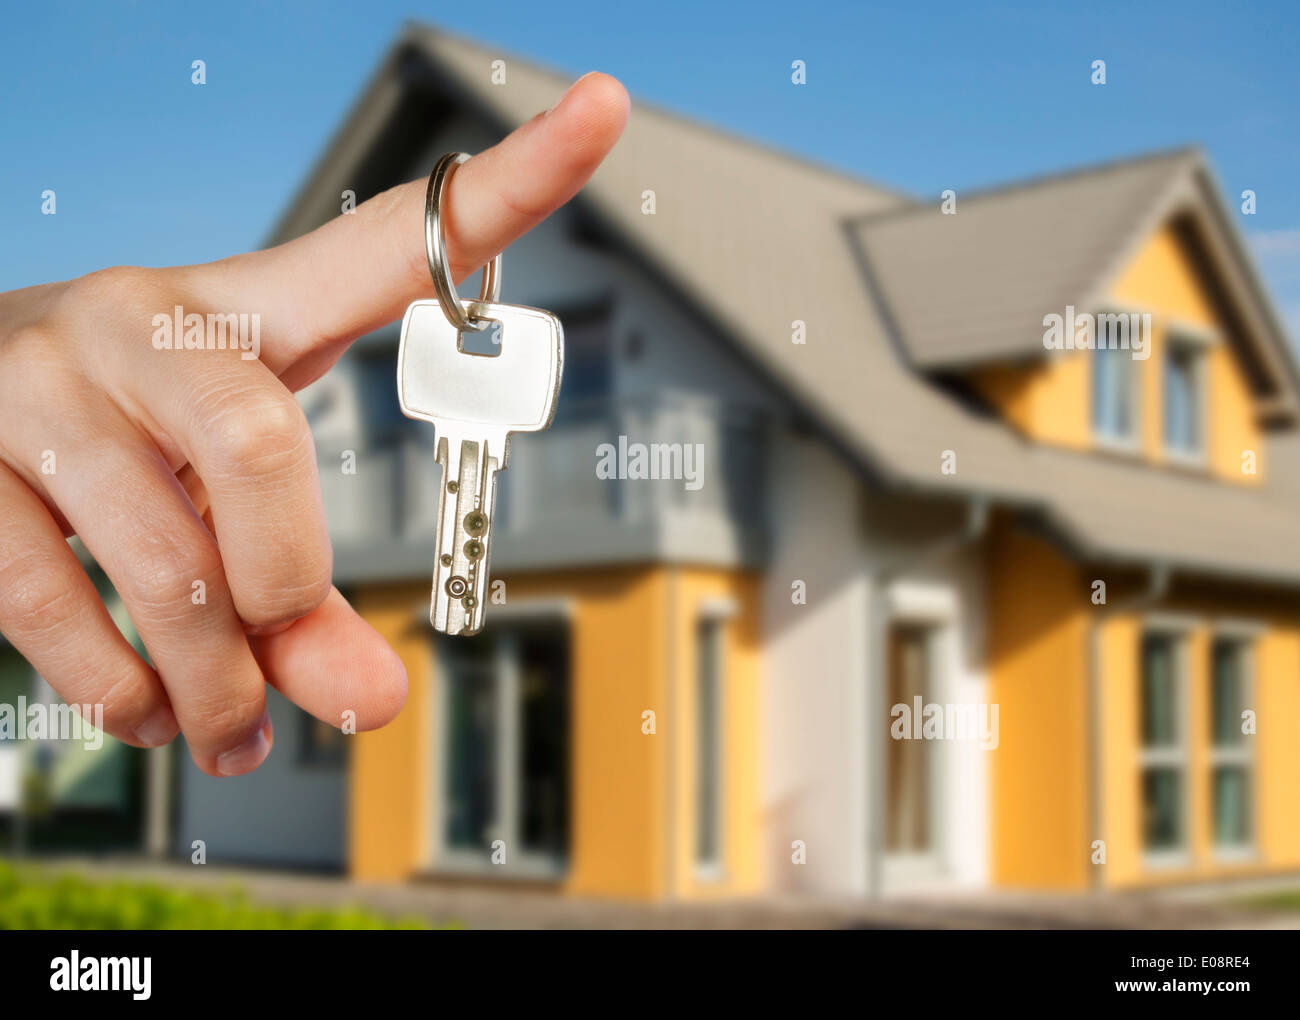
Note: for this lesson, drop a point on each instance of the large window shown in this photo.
(1163, 752)
(1114, 396)
(15, 682)
(1183, 402)
(708, 744)
(1230, 758)
(504, 718)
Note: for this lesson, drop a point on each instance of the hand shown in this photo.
(177, 467)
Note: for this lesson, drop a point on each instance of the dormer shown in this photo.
(1112, 310)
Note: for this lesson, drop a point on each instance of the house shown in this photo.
(917, 517)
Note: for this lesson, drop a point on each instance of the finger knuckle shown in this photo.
(37, 371)
(115, 282)
(33, 338)
(289, 600)
(227, 724)
(104, 312)
(164, 578)
(262, 435)
(127, 694)
(116, 290)
(35, 596)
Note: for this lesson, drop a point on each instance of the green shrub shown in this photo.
(39, 898)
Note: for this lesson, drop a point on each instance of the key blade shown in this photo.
(466, 507)
(515, 389)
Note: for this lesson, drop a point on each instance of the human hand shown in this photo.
(179, 467)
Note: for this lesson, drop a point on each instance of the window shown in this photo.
(1163, 752)
(504, 714)
(320, 744)
(588, 367)
(15, 682)
(1114, 395)
(1182, 399)
(909, 764)
(708, 745)
(1230, 758)
(376, 381)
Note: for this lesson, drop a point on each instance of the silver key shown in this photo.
(475, 402)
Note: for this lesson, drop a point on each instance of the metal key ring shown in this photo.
(435, 244)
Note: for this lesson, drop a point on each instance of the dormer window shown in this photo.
(1184, 400)
(1114, 397)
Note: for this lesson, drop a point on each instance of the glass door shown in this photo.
(504, 741)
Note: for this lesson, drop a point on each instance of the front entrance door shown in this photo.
(503, 724)
(911, 764)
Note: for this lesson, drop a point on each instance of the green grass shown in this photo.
(1283, 899)
(33, 897)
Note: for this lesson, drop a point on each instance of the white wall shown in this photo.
(814, 676)
(817, 730)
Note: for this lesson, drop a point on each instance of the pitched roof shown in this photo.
(754, 239)
(974, 286)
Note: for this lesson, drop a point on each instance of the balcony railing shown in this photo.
(688, 483)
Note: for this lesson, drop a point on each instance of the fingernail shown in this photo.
(158, 729)
(249, 754)
(570, 89)
(267, 629)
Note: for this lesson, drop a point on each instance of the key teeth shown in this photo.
(461, 574)
(450, 629)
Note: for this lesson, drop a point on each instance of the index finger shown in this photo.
(358, 272)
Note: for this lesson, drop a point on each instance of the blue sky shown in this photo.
(151, 170)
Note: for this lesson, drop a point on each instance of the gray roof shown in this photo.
(974, 286)
(754, 239)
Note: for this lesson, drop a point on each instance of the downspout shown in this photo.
(1157, 588)
(972, 530)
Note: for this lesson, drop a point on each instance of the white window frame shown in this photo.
(1132, 443)
(1198, 339)
(1242, 755)
(933, 611)
(1178, 629)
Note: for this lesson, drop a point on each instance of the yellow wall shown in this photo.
(1041, 631)
(616, 780)
(1162, 280)
(1050, 400)
(1120, 808)
(1037, 662)
(632, 634)
(1276, 700)
(389, 780)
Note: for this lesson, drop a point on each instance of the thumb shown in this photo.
(319, 292)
